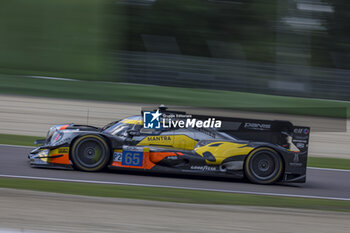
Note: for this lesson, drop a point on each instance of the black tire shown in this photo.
(90, 153)
(263, 166)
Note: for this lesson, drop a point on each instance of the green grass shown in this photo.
(118, 92)
(173, 195)
(19, 140)
(335, 163)
(56, 37)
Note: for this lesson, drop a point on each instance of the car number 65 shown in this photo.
(132, 158)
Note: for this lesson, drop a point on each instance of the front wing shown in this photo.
(50, 157)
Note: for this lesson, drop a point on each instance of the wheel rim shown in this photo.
(264, 165)
(90, 153)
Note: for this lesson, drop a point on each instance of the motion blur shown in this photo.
(284, 47)
(275, 73)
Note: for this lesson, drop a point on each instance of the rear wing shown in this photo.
(275, 132)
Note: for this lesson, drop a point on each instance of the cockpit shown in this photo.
(121, 128)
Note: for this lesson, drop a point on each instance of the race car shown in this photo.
(262, 151)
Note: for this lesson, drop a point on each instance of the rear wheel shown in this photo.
(263, 166)
(90, 153)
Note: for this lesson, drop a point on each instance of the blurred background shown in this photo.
(97, 61)
(280, 47)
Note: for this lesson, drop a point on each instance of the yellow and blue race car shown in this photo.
(264, 152)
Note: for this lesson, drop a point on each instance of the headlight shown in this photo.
(56, 137)
(43, 153)
(54, 129)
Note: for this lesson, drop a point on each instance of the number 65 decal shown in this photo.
(132, 158)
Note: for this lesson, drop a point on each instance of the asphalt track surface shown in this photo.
(321, 183)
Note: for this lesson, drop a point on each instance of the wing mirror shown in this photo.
(40, 142)
(132, 133)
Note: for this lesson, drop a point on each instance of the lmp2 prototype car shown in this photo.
(265, 152)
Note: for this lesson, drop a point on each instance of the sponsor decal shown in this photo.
(71, 130)
(203, 168)
(300, 145)
(117, 156)
(63, 150)
(301, 141)
(257, 126)
(156, 120)
(132, 148)
(304, 131)
(298, 137)
(158, 138)
(64, 140)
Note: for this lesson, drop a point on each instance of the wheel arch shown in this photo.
(271, 148)
(106, 139)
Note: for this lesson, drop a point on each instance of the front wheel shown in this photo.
(90, 153)
(263, 166)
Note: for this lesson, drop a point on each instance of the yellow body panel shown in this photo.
(44, 154)
(224, 150)
(60, 150)
(177, 141)
(133, 122)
